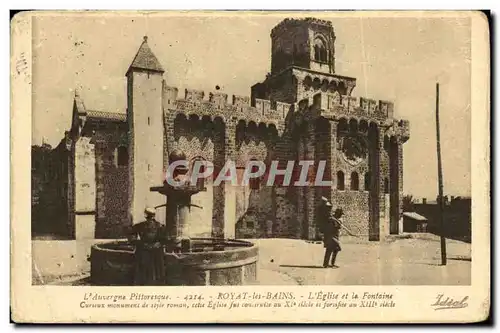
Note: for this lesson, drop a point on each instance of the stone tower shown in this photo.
(302, 62)
(145, 121)
(308, 43)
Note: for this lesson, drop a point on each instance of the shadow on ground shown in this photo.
(301, 266)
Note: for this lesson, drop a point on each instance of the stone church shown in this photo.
(303, 110)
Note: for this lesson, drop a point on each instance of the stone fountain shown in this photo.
(189, 260)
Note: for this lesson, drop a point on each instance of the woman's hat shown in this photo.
(149, 211)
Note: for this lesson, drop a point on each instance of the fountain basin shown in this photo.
(113, 264)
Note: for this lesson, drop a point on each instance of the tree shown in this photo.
(408, 202)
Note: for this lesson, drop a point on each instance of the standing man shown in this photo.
(331, 231)
(337, 222)
(149, 238)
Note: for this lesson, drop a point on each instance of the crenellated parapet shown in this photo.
(287, 23)
(193, 95)
(365, 107)
(338, 106)
(403, 130)
(219, 99)
(398, 128)
(218, 106)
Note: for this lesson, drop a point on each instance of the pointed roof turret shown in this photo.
(145, 59)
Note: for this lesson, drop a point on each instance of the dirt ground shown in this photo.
(403, 260)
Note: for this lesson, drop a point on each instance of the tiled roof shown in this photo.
(145, 59)
(113, 116)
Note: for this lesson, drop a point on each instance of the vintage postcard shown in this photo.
(250, 167)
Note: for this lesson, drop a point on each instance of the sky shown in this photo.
(398, 59)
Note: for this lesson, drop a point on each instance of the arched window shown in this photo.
(254, 182)
(367, 181)
(317, 101)
(320, 52)
(354, 181)
(342, 126)
(386, 185)
(340, 181)
(122, 156)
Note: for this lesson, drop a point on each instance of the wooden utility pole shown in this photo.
(440, 183)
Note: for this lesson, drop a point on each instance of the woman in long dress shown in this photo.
(149, 239)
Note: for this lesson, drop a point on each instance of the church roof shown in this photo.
(103, 115)
(145, 59)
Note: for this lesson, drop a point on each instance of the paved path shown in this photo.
(399, 262)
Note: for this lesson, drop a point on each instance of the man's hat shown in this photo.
(149, 211)
(328, 204)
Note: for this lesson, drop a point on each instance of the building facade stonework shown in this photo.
(303, 110)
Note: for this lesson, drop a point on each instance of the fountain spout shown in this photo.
(178, 205)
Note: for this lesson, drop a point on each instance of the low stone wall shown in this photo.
(112, 264)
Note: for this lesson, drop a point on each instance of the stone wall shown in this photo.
(356, 210)
(254, 204)
(394, 189)
(112, 187)
(254, 211)
(219, 123)
(353, 200)
(385, 165)
(85, 188)
(376, 199)
(282, 88)
(224, 224)
(287, 225)
(388, 225)
(202, 217)
(85, 176)
(400, 179)
(198, 139)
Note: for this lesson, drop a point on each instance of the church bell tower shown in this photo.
(302, 63)
(307, 43)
